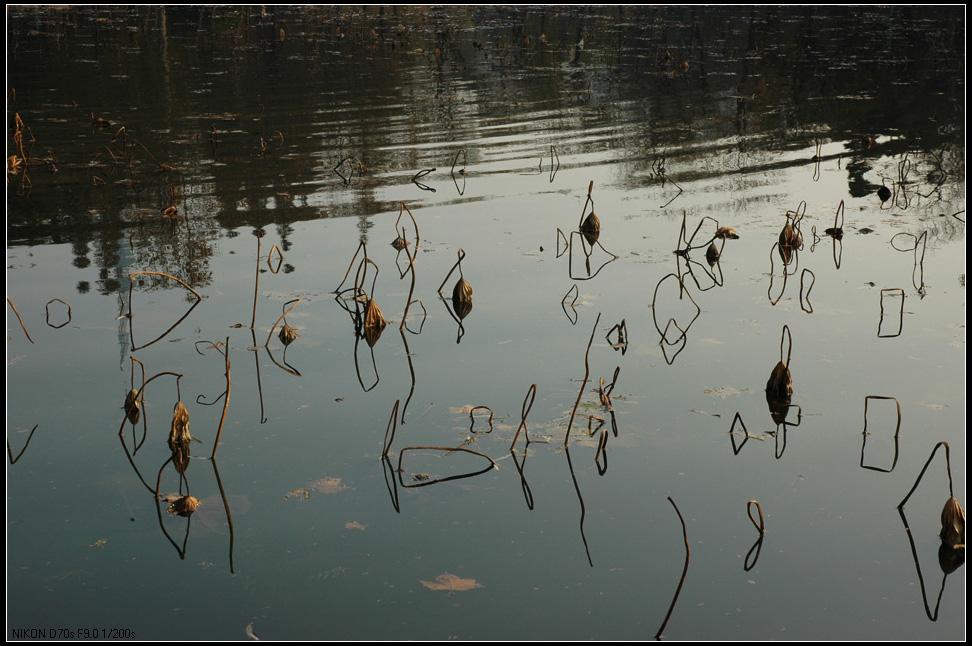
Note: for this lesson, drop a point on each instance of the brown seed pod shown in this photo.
(953, 524)
(780, 383)
(462, 293)
(726, 233)
(132, 407)
(399, 243)
(180, 426)
(790, 237)
(712, 254)
(287, 335)
(373, 317)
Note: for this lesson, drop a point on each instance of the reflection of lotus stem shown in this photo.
(587, 373)
(159, 273)
(688, 555)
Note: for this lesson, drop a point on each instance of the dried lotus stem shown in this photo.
(22, 326)
(159, 273)
(472, 420)
(47, 312)
(531, 396)
(587, 374)
(948, 466)
(229, 386)
(761, 526)
(462, 171)
(295, 302)
(390, 431)
(462, 254)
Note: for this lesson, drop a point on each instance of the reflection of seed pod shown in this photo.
(132, 408)
(884, 193)
(953, 524)
(836, 233)
(712, 254)
(372, 334)
(462, 309)
(950, 558)
(778, 407)
(780, 383)
(373, 317)
(462, 293)
(591, 228)
(287, 335)
(180, 426)
(399, 243)
(180, 456)
(726, 233)
(184, 506)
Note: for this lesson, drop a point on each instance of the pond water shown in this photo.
(250, 154)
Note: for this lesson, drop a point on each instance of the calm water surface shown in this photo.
(283, 140)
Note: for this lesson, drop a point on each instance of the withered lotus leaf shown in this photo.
(184, 506)
(287, 335)
(373, 317)
(180, 425)
(953, 524)
(132, 407)
(780, 383)
(452, 583)
(462, 293)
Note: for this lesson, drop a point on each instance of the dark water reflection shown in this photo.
(304, 131)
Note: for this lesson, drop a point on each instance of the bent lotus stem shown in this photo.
(761, 526)
(587, 374)
(462, 254)
(22, 326)
(948, 466)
